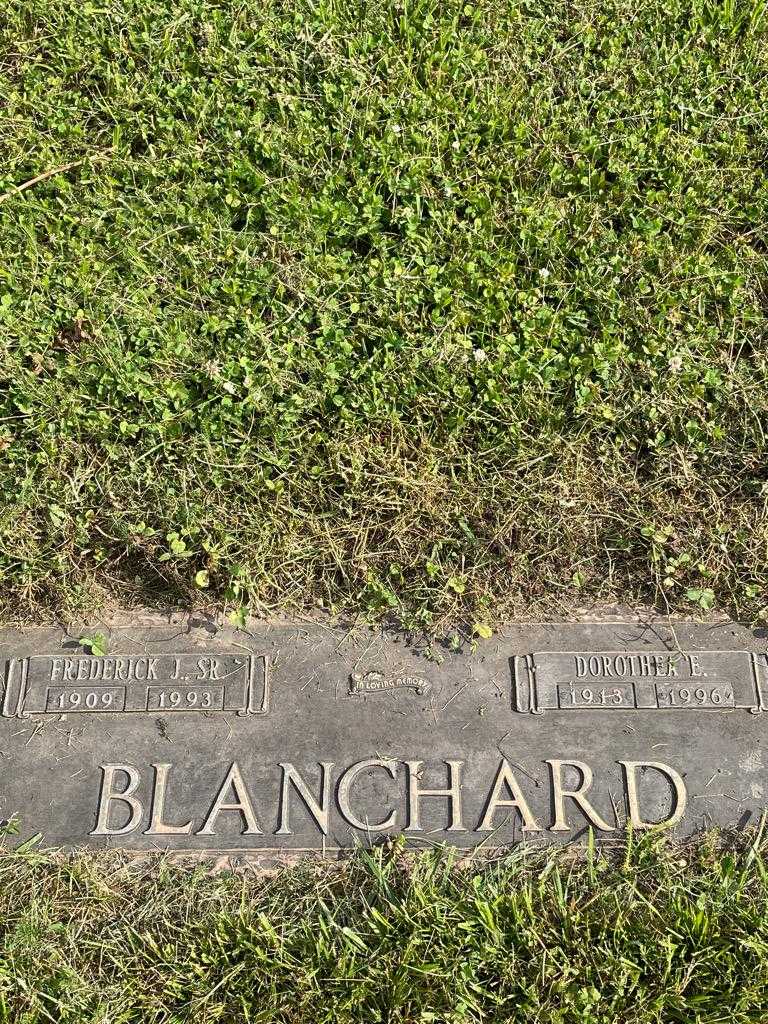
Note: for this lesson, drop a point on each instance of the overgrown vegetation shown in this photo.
(430, 308)
(659, 934)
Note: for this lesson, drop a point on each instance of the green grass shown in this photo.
(660, 934)
(439, 309)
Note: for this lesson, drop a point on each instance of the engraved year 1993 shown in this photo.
(188, 698)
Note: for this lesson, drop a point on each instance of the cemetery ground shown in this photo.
(655, 934)
(450, 313)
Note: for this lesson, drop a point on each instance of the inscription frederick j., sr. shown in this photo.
(83, 684)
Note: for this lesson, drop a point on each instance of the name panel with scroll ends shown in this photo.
(136, 684)
(643, 681)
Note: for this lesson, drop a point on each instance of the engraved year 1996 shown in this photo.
(695, 696)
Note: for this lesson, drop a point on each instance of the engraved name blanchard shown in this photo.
(143, 800)
(133, 683)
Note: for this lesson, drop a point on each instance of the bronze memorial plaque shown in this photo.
(295, 738)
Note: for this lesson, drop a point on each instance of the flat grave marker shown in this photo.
(298, 738)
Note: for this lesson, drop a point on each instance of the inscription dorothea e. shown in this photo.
(133, 683)
(651, 681)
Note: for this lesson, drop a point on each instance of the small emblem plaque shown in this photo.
(377, 682)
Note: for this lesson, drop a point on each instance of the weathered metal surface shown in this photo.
(303, 738)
